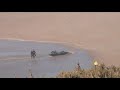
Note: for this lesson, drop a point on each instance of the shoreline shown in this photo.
(90, 51)
(75, 45)
(96, 32)
(68, 44)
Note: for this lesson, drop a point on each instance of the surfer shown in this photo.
(33, 54)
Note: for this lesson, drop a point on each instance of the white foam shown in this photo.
(23, 40)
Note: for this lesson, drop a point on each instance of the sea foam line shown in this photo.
(75, 45)
(71, 44)
(23, 40)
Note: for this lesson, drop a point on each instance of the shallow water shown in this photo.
(15, 59)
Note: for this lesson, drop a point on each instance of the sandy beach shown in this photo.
(97, 32)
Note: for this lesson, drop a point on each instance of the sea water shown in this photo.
(15, 59)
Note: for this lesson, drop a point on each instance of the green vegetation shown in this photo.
(99, 71)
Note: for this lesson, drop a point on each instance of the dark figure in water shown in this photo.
(33, 54)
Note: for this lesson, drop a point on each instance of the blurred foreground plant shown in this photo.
(98, 71)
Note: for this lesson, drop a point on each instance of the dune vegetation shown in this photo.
(97, 71)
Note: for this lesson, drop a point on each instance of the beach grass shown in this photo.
(99, 71)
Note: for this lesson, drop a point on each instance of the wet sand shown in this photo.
(97, 32)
